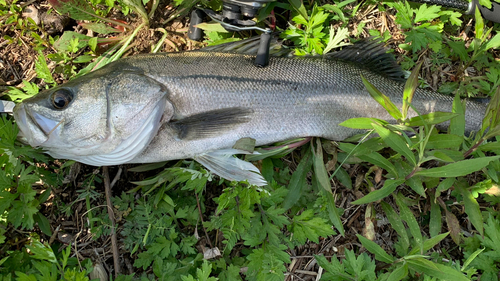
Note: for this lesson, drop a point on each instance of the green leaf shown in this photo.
(43, 223)
(77, 9)
(298, 181)
(412, 223)
(491, 146)
(415, 183)
(396, 223)
(492, 116)
(93, 43)
(409, 90)
(399, 273)
(493, 43)
(405, 14)
(382, 99)
(459, 49)
(471, 206)
(362, 123)
(379, 160)
(447, 155)
(42, 252)
(432, 118)
(83, 59)
(432, 269)
(336, 40)
(444, 141)
(42, 70)
(417, 40)
(24, 277)
(300, 8)
(343, 177)
(386, 190)
(308, 226)
(375, 249)
(425, 13)
(429, 243)
(479, 26)
(22, 213)
(457, 124)
(458, 169)
(319, 167)
(100, 27)
(64, 42)
(333, 212)
(435, 223)
(395, 142)
(471, 258)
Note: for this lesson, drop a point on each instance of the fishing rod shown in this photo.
(468, 8)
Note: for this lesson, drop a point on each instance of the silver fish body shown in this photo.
(168, 106)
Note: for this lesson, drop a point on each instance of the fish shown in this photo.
(198, 104)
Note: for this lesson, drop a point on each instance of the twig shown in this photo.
(473, 148)
(117, 177)
(53, 237)
(114, 245)
(201, 218)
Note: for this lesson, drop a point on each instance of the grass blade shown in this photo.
(412, 223)
(410, 87)
(333, 212)
(386, 190)
(396, 223)
(471, 206)
(395, 142)
(375, 249)
(432, 118)
(298, 181)
(458, 169)
(457, 124)
(382, 99)
(319, 167)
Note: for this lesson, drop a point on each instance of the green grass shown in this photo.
(437, 192)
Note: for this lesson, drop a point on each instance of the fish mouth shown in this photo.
(35, 129)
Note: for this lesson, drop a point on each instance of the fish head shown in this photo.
(106, 117)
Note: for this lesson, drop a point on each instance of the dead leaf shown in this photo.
(453, 226)
(369, 229)
(494, 190)
(211, 253)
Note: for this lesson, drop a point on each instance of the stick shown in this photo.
(114, 245)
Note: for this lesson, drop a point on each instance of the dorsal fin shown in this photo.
(368, 53)
(371, 54)
(250, 46)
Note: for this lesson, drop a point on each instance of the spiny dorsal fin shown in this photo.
(371, 54)
(250, 46)
(210, 123)
(368, 53)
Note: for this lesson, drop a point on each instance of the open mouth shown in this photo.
(34, 128)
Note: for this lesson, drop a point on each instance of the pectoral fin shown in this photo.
(224, 164)
(210, 123)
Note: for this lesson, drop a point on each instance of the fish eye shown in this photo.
(61, 98)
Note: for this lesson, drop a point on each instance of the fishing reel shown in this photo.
(236, 15)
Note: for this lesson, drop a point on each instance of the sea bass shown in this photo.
(198, 104)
